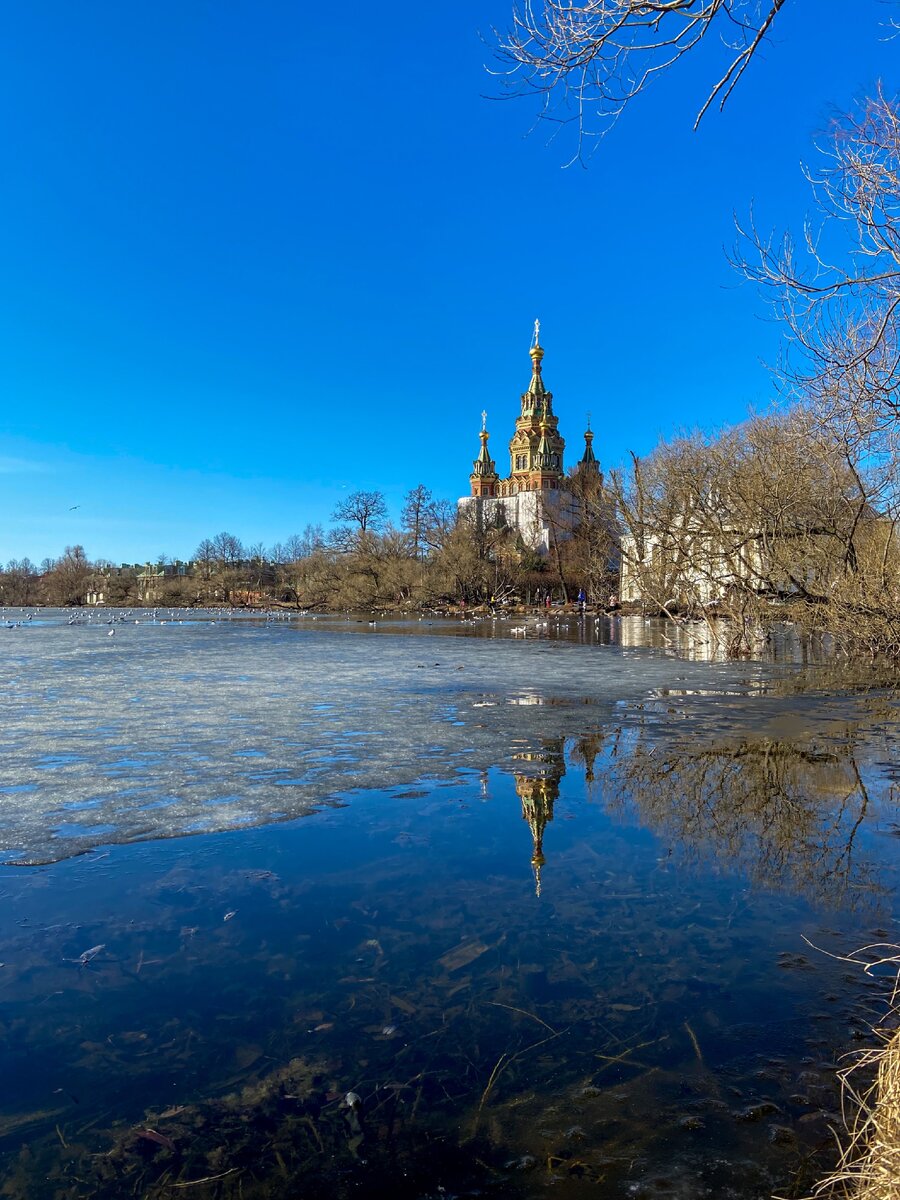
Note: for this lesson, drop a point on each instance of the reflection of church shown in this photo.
(538, 789)
(527, 499)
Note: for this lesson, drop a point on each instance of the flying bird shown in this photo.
(74, 506)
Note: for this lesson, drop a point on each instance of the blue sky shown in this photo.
(257, 255)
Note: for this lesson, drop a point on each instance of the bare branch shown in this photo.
(588, 60)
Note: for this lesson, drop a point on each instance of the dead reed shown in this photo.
(869, 1166)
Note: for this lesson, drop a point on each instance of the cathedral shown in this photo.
(530, 496)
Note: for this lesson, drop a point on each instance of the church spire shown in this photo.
(589, 459)
(484, 470)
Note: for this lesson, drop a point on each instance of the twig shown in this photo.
(695, 1044)
(206, 1178)
(500, 1066)
(609, 1061)
(522, 1011)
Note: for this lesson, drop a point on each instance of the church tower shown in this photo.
(588, 461)
(530, 498)
(483, 479)
(536, 448)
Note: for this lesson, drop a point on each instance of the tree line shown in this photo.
(433, 556)
(788, 516)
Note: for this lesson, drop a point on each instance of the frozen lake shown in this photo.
(187, 724)
(546, 917)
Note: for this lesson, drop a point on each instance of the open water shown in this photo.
(323, 908)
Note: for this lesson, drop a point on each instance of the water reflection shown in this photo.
(538, 788)
(784, 814)
(194, 1014)
(654, 1025)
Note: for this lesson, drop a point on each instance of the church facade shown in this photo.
(529, 497)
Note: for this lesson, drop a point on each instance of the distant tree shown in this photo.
(19, 583)
(205, 558)
(228, 549)
(440, 520)
(260, 572)
(482, 559)
(363, 513)
(367, 510)
(584, 536)
(302, 545)
(68, 580)
(414, 518)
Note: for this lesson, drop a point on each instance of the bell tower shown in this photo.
(536, 448)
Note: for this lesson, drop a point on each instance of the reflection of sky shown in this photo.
(351, 937)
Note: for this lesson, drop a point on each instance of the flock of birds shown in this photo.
(96, 617)
(537, 626)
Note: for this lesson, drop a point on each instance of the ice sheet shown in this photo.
(171, 727)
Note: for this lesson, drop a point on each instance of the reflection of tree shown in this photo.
(537, 786)
(584, 750)
(787, 813)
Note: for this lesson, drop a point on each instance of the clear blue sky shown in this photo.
(257, 255)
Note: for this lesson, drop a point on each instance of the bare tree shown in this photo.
(366, 510)
(67, 582)
(441, 518)
(205, 557)
(365, 513)
(228, 549)
(588, 59)
(302, 545)
(771, 511)
(304, 571)
(414, 517)
(838, 290)
(19, 582)
(584, 535)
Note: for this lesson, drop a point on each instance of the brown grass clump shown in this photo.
(870, 1162)
(869, 1168)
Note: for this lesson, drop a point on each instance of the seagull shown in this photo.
(74, 506)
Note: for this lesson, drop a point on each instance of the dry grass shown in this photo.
(869, 1168)
(870, 1161)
